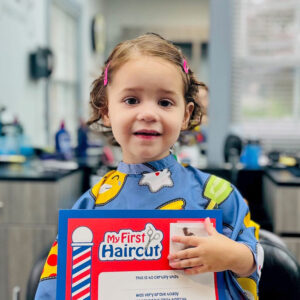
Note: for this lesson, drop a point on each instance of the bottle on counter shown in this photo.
(63, 142)
(82, 139)
(12, 132)
(251, 154)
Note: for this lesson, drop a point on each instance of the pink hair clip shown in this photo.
(185, 66)
(105, 75)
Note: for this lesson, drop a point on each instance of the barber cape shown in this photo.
(166, 184)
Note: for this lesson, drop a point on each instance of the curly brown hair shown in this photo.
(150, 44)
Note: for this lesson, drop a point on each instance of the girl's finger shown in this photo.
(196, 270)
(186, 263)
(184, 254)
(209, 227)
(187, 240)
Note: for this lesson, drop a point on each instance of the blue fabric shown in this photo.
(167, 184)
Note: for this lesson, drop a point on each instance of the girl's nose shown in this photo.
(147, 114)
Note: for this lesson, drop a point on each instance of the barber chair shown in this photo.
(35, 274)
(280, 276)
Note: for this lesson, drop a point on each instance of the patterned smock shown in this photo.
(166, 184)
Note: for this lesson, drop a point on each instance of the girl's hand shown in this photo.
(214, 253)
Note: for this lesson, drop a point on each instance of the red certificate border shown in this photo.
(101, 222)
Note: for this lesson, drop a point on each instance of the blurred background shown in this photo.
(246, 51)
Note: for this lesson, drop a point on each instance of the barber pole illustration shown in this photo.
(82, 242)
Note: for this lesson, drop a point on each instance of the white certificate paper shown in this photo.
(156, 285)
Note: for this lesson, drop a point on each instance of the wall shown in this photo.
(219, 109)
(91, 62)
(159, 13)
(23, 28)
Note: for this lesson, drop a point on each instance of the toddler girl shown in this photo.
(145, 96)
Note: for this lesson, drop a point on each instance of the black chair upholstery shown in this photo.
(280, 276)
(35, 275)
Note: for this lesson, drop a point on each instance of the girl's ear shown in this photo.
(187, 114)
(106, 120)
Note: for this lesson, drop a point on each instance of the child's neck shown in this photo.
(136, 162)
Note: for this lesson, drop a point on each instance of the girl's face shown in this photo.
(146, 108)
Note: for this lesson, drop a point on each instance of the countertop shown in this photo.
(283, 177)
(53, 170)
(36, 170)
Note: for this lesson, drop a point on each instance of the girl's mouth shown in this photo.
(147, 134)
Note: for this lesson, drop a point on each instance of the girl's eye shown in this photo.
(131, 101)
(165, 103)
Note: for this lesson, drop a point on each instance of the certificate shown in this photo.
(111, 254)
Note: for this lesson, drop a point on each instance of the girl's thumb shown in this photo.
(209, 226)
